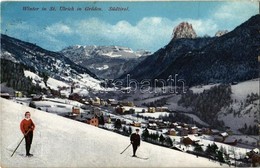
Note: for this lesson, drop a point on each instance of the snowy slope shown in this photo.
(84, 83)
(61, 142)
(238, 113)
(241, 90)
(55, 84)
(200, 89)
(35, 78)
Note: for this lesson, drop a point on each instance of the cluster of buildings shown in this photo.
(129, 108)
(8, 96)
(93, 117)
(174, 129)
(157, 109)
(183, 129)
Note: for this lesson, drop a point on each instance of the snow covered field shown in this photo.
(246, 114)
(61, 142)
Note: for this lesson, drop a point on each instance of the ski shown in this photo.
(20, 154)
(26, 155)
(143, 158)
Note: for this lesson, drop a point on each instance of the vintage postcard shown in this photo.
(130, 83)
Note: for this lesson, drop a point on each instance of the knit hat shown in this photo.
(27, 112)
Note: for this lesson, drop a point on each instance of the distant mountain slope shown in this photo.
(62, 142)
(52, 67)
(31, 55)
(231, 57)
(107, 62)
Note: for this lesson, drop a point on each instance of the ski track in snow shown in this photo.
(61, 142)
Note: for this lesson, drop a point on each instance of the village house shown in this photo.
(5, 95)
(151, 110)
(161, 124)
(214, 132)
(174, 125)
(224, 134)
(119, 110)
(186, 141)
(93, 121)
(199, 131)
(88, 118)
(108, 119)
(220, 137)
(103, 102)
(206, 131)
(129, 104)
(184, 125)
(184, 132)
(75, 110)
(86, 107)
(230, 141)
(152, 126)
(161, 109)
(95, 101)
(18, 94)
(109, 101)
(172, 132)
(63, 94)
(37, 98)
(136, 124)
(96, 111)
(178, 128)
(75, 96)
(112, 102)
(193, 130)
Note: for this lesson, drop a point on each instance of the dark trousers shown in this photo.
(28, 142)
(134, 148)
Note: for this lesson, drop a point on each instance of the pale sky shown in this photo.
(145, 25)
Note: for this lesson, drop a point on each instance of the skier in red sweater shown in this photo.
(27, 126)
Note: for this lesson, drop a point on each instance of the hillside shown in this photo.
(61, 142)
(244, 108)
(236, 105)
(32, 69)
(38, 58)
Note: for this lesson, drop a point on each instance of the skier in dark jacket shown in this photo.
(27, 126)
(135, 141)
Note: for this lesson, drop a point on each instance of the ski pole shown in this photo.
(125, 149)
(20, 142)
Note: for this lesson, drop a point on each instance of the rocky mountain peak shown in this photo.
(184, 30)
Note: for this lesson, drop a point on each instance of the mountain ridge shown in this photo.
(231, 57)
(43, 61)
(107, 62)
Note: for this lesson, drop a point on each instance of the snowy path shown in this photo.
(61, 142)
